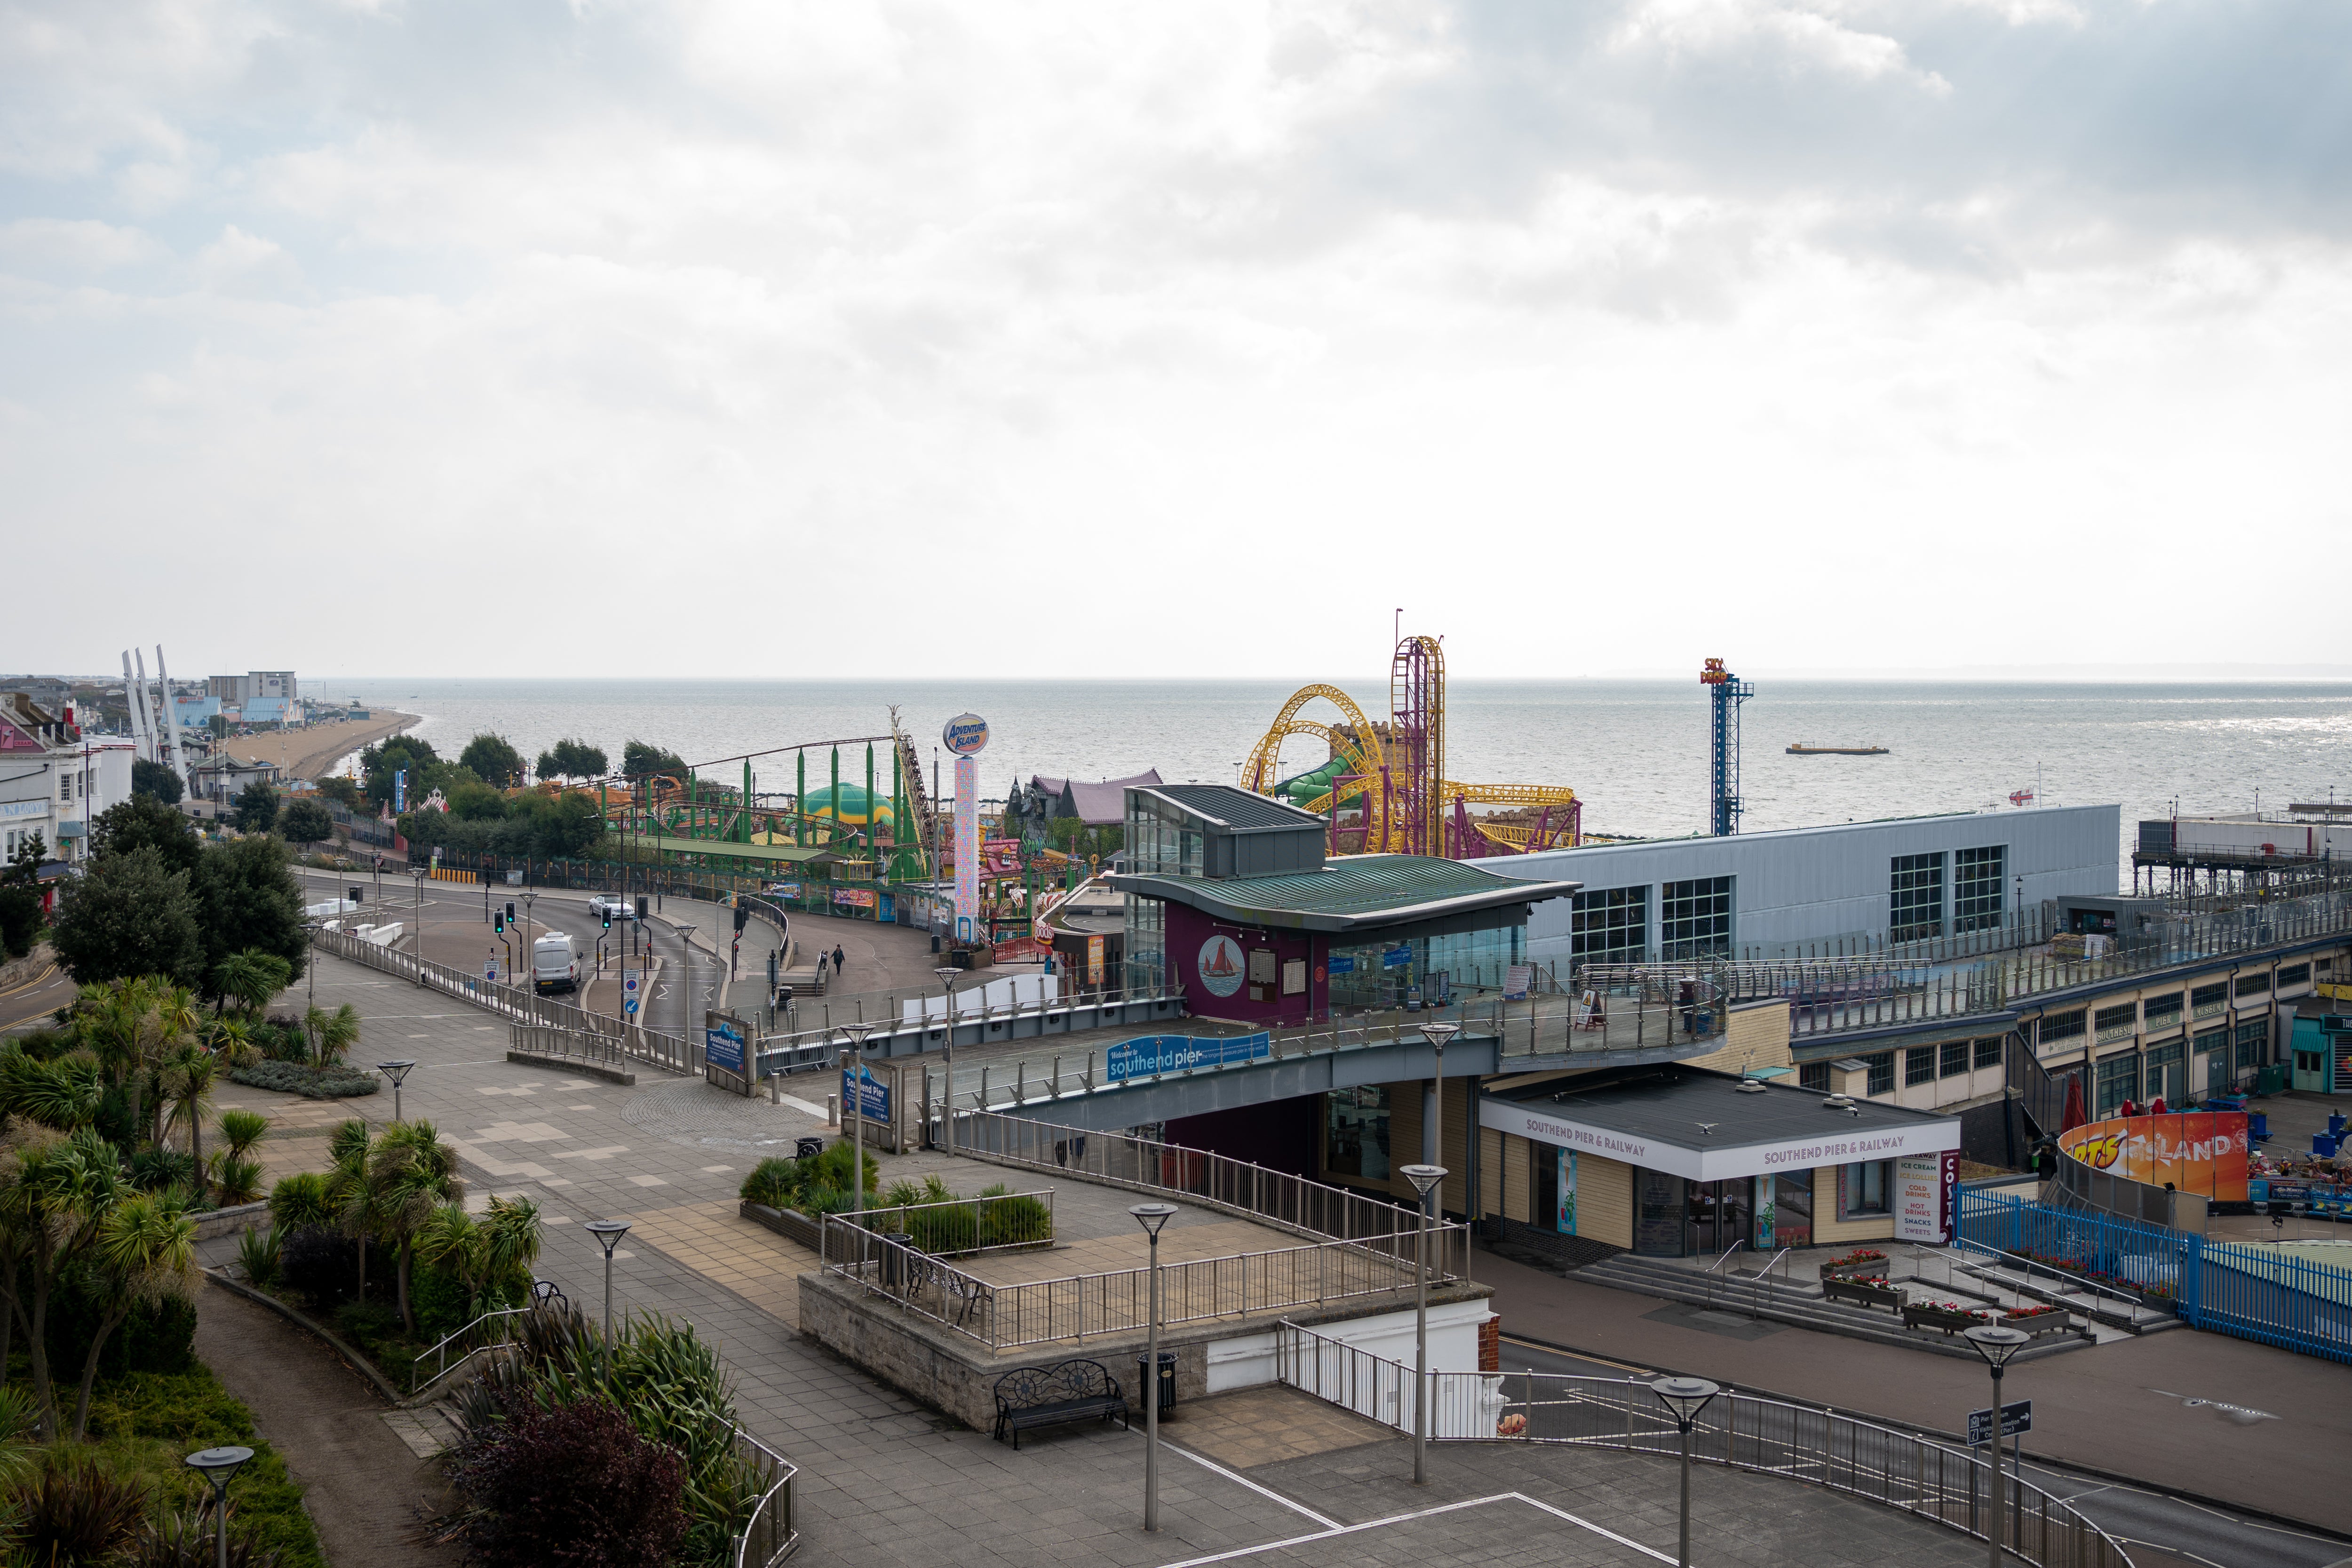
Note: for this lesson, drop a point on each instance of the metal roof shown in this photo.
(1238, 809)
(777, 854)
(1348, 894)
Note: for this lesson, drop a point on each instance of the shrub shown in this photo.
(1013, 1220)
(236, 1181)
(77, 1511)
(440, 1299)
(832, 1168)
(818, 1201)
(156, 1170)
(260, 1255)
(336, 1082)
(182, 1537)
(241, 1130)
(577, 1486)
(322, 1265)
(772, 1181)
(178, 1412)
(156, 1336)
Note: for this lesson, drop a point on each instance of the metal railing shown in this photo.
(819, 1021)
(542, 1026)
(1275, 1198)
(768, 1536)
(1712, 1269)
(958, 1227)
(474, 1337)
(1005, 1316)
(1931, 1480)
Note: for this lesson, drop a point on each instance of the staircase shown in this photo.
(1797, 1302)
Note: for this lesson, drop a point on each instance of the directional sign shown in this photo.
(2014, 1419)
(630, 983)
(630, 1005)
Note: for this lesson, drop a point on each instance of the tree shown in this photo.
(493, 759)
(379, 764)
(305, 822)
(491, 1257)
(155, 779)
(143, 819)
(246, 899)
(20, 898)
(413, 1173)
(639, 759)
(251, 978)
(53, 1199)
(257, 807)
(349, 1194)
(571, 760)
(185, 1082)
(144, 1250)
(131, 915)
(331, 1034)
(344, 793)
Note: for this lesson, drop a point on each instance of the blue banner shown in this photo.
(1174, 1053)
(1395, 957)
(723, 1047)
(1339, 963)
(875, 1106)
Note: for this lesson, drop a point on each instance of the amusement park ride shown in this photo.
(1393, 774)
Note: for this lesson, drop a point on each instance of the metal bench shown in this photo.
(1050, 1396)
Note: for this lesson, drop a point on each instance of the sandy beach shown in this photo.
(311, 753)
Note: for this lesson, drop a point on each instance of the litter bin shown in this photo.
(935, 941)
(1167, 1378)
(808, 1148)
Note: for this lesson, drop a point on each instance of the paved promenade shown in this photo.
(885, 1482)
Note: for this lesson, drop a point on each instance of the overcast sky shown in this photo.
(847, 338)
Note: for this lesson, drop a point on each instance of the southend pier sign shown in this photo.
(965, 735)
(1155, 1054)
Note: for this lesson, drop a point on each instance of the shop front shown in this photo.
(1679, 1162)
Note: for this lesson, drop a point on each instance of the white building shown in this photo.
(1769, 895)
(54, 779)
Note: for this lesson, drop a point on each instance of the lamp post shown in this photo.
(608, 1232)
(946, 975)
(1152, 1217)
(1425, 1180)
(311, 954)
(394, 1071)
(854, 1110)
(526, 898)
(1996, 1345)
(217, 1466)
(1686, 1396)
(419, 872)
(1433, 1127)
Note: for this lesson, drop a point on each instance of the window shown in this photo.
(1611, 926)
(1915, 896)
(2253, 1044)
(2294, 974)
(1918, 1066)
(1814, 1077)
(1988, 1052)
(2162, 1011)
(2118, 1081)
(1952, 1060)
(2168, 1075)
(64, 787)
(1792, 1208)
(1146, 944)
(2122, 1020)
(2254, 985)
(2207, 1000)
(1977, 876)
(2213, 1048)
(1882, 1073)
(1862, 1188)
(1695, 918)
(2056, 1026)
(1356, 1133)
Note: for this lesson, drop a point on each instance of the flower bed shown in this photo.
(2038, 1320)
(1861, 1292)
(1949, 1316)
(1858, 1265)
(334, 1082)
(2147, 1290)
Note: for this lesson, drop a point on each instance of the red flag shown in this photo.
(2072, 1117)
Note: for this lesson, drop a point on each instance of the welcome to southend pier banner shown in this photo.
(2195, 1150)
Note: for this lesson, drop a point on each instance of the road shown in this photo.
(29, 1005)
(2155, 1527)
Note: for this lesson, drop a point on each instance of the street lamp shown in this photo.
(1996, 1343)
(312, 927)
(1425, 1180)
(1432, 1132)
(417, 942)
(854, 1104)
(1151, 1218)
(946, 976)
(1686, 1396)
(217, 1466)
(394, 1071)
(526, 898)
(609, 1232)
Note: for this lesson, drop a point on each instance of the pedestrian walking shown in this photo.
(839, 957)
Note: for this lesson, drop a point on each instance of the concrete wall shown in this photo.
(1815, 884)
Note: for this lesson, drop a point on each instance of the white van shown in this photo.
(554, 967)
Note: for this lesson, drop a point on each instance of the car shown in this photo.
(611, 908)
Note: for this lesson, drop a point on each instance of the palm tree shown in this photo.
(306, 1198)
(351, 1194)
(116, 1021)
(413, 1173)
(232, 1040)
(487, 1255)
(145, 1250)
(63, 1093)
(331, 1034)
(251, 978)
(54, 1197)
(185, 1081)
(178, 1021)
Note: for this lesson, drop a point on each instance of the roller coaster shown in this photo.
(1393, 774)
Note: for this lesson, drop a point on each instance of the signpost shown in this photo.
(872, 1103)
(2015, 1417)
(722, 1052)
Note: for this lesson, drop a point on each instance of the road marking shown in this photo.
(1268, 1492)
(1334, 1534)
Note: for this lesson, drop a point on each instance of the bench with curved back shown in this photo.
(1050, 1396)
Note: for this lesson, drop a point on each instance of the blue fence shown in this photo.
(2253, 1292)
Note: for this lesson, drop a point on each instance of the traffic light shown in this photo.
(742, 916)
(499, 921)
(608, 919)
(643, 902)
(510, 909)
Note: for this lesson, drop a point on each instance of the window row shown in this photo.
(1915, 908)
(1612, 925)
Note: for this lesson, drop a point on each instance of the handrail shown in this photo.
(2073, 1281)
(1947, 1485)
(770, 1532)
(442, 1367)
(1765, 1275)
(1719, 1263)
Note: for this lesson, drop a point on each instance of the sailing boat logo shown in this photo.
(1221, 965)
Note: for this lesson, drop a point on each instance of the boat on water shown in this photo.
(1803, 749)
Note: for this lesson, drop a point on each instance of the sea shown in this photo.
(1636, 752)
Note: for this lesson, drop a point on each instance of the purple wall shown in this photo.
(1189, 930)
(1280, 1134)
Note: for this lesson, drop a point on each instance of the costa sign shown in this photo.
(965, 735)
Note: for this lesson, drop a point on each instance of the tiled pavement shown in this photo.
(885, 1482)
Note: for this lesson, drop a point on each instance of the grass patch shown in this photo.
(337, 1082)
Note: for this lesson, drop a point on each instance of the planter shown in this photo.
(1861, 1292)
(1951, 1322)
(790, 1223)
(1874, 1270)
(2042, 1324)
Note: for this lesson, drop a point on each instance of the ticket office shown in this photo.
(1657, 1213)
